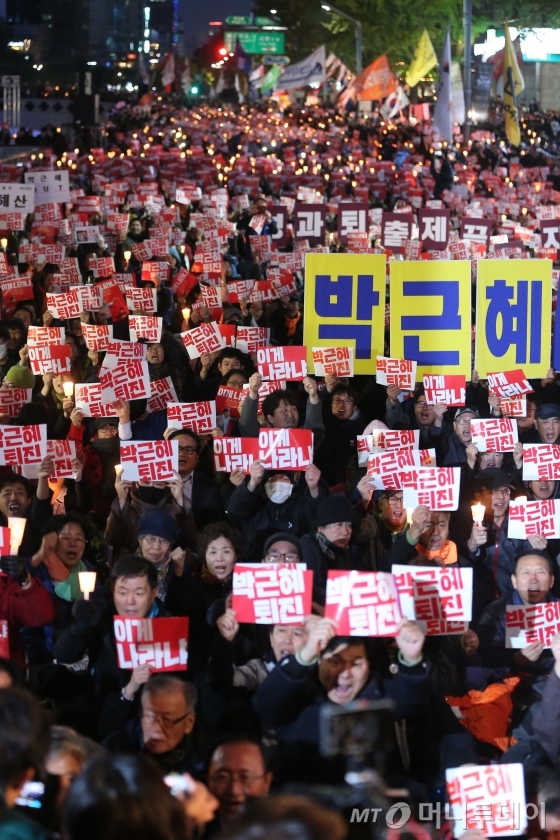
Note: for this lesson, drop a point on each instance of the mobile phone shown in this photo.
(360, 730)
(180, 784)
(31, 795)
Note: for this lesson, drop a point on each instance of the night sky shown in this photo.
(197, 13)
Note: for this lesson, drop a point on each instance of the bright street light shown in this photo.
(357, 24)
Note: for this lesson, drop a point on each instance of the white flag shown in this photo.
(443, 111)
(457, 94)
(394, 103)
(168, 72)
(309, 71)
(221, 84)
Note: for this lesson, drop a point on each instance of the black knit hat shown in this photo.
(282, 536)
(334, 509)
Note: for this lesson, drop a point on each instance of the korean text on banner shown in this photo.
(363, 603)
(513, 315)
(431, 315)
(161, 643)
(527, 624)
(428, 593)
(272, 593)
(489, 797)
(345, 303)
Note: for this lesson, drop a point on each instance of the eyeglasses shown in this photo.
(71, 538)
(393, 500)
(156, 541)
(502, 491)
(423, 404)
(150, 718)
(224, 778)
(463, 421)
(112, 429)
(343, 402)
(188, 450)
(279, 557)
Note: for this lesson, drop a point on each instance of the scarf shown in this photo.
(106, 446)
(447, 553)
(291, 324)
(69, 589)
(339, 558)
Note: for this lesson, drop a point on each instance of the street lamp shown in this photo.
(357, 24)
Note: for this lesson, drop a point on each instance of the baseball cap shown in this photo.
(464, 409)
(546, 411)
(491, 479)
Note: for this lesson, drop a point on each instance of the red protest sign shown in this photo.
(64, 306)
(435, 487)
(149, 460)
(229, 399)
(161, 643)
(126, 350)
(272, 593)
(287, 363)
(235, 453)
(145, 326)
(288, 449)
(14, 291)
(363, 603)
(200, 417)
(97, 336)
(183, 282)
(54, 358)
(450, 390)
(509, 383)
(4, 638)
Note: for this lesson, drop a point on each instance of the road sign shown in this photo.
(256, 43)
(239, 20)
(10, 81)
(264, 21)
(275, 59)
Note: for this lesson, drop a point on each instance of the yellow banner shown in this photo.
(513, 86)
(345, 304)
(431, 315)
(513, 316)
(424, 60)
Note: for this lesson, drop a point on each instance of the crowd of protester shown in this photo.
(242, 723)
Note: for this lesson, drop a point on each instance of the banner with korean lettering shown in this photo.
(161, 643)
(450, 390)
(436, 594)
(229, 399)
(88, 400)
(336, 360)
(431, 315)
(536, 516)
(63, 453)
(435, 487)
(286, 449)
(345, 303)
(128, 380)
(509, 383)
(490, 798)
(43, 336)
(513, 316)
(363, 603)
(494, 434)
(13, 399)
(203, 339)
(162, 392)
(21, 445)
(235, 453)
(393, 469)
(541, 462)
(97, 336)
(199, 417)
(149, 460)
(53, 358)
(287, 363)
(382, 439)
(272, 593)
(400, 372)
(526, 624)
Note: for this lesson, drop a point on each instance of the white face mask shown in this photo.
(279, 491)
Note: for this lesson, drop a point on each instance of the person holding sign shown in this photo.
(532, 581)
(265, 503)
(343, 423)
(547, 423)
(280, 409)
(346, 670)
(424, 417)
(489, 548)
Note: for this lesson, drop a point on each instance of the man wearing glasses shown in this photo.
(489, 548)
(426, 418)
(343, 423)
(451, 449)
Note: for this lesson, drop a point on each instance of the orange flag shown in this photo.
(377, 81)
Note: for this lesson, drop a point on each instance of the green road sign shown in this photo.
(239, 20)
(257, 43)
(264, 21)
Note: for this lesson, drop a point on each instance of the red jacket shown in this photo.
(31, 607)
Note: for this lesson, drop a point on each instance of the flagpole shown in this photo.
(467, 65)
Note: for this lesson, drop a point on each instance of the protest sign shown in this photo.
(286, 449)
(509, 383)
(62, 452)
(162, 392)
(382, 439)
(145, 326)
(249, 339)
(199, 417)
(537, 516)
(401, 372)
(363, 603)
(52, 358)
(149, 460)
(44, 336)
(435, 487)
(541, 462)
(336, 360)
(392, 469)
(128, 380)
(449, 390)
(161, 643)
(229, 399)
(203, 339)
(21, 445)
(527, 624)
(87, 399)
(428, 593)
(272, 593)
(12, 400)
(235, 453)
(282, 363)
(494, 434)
(490, 798)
